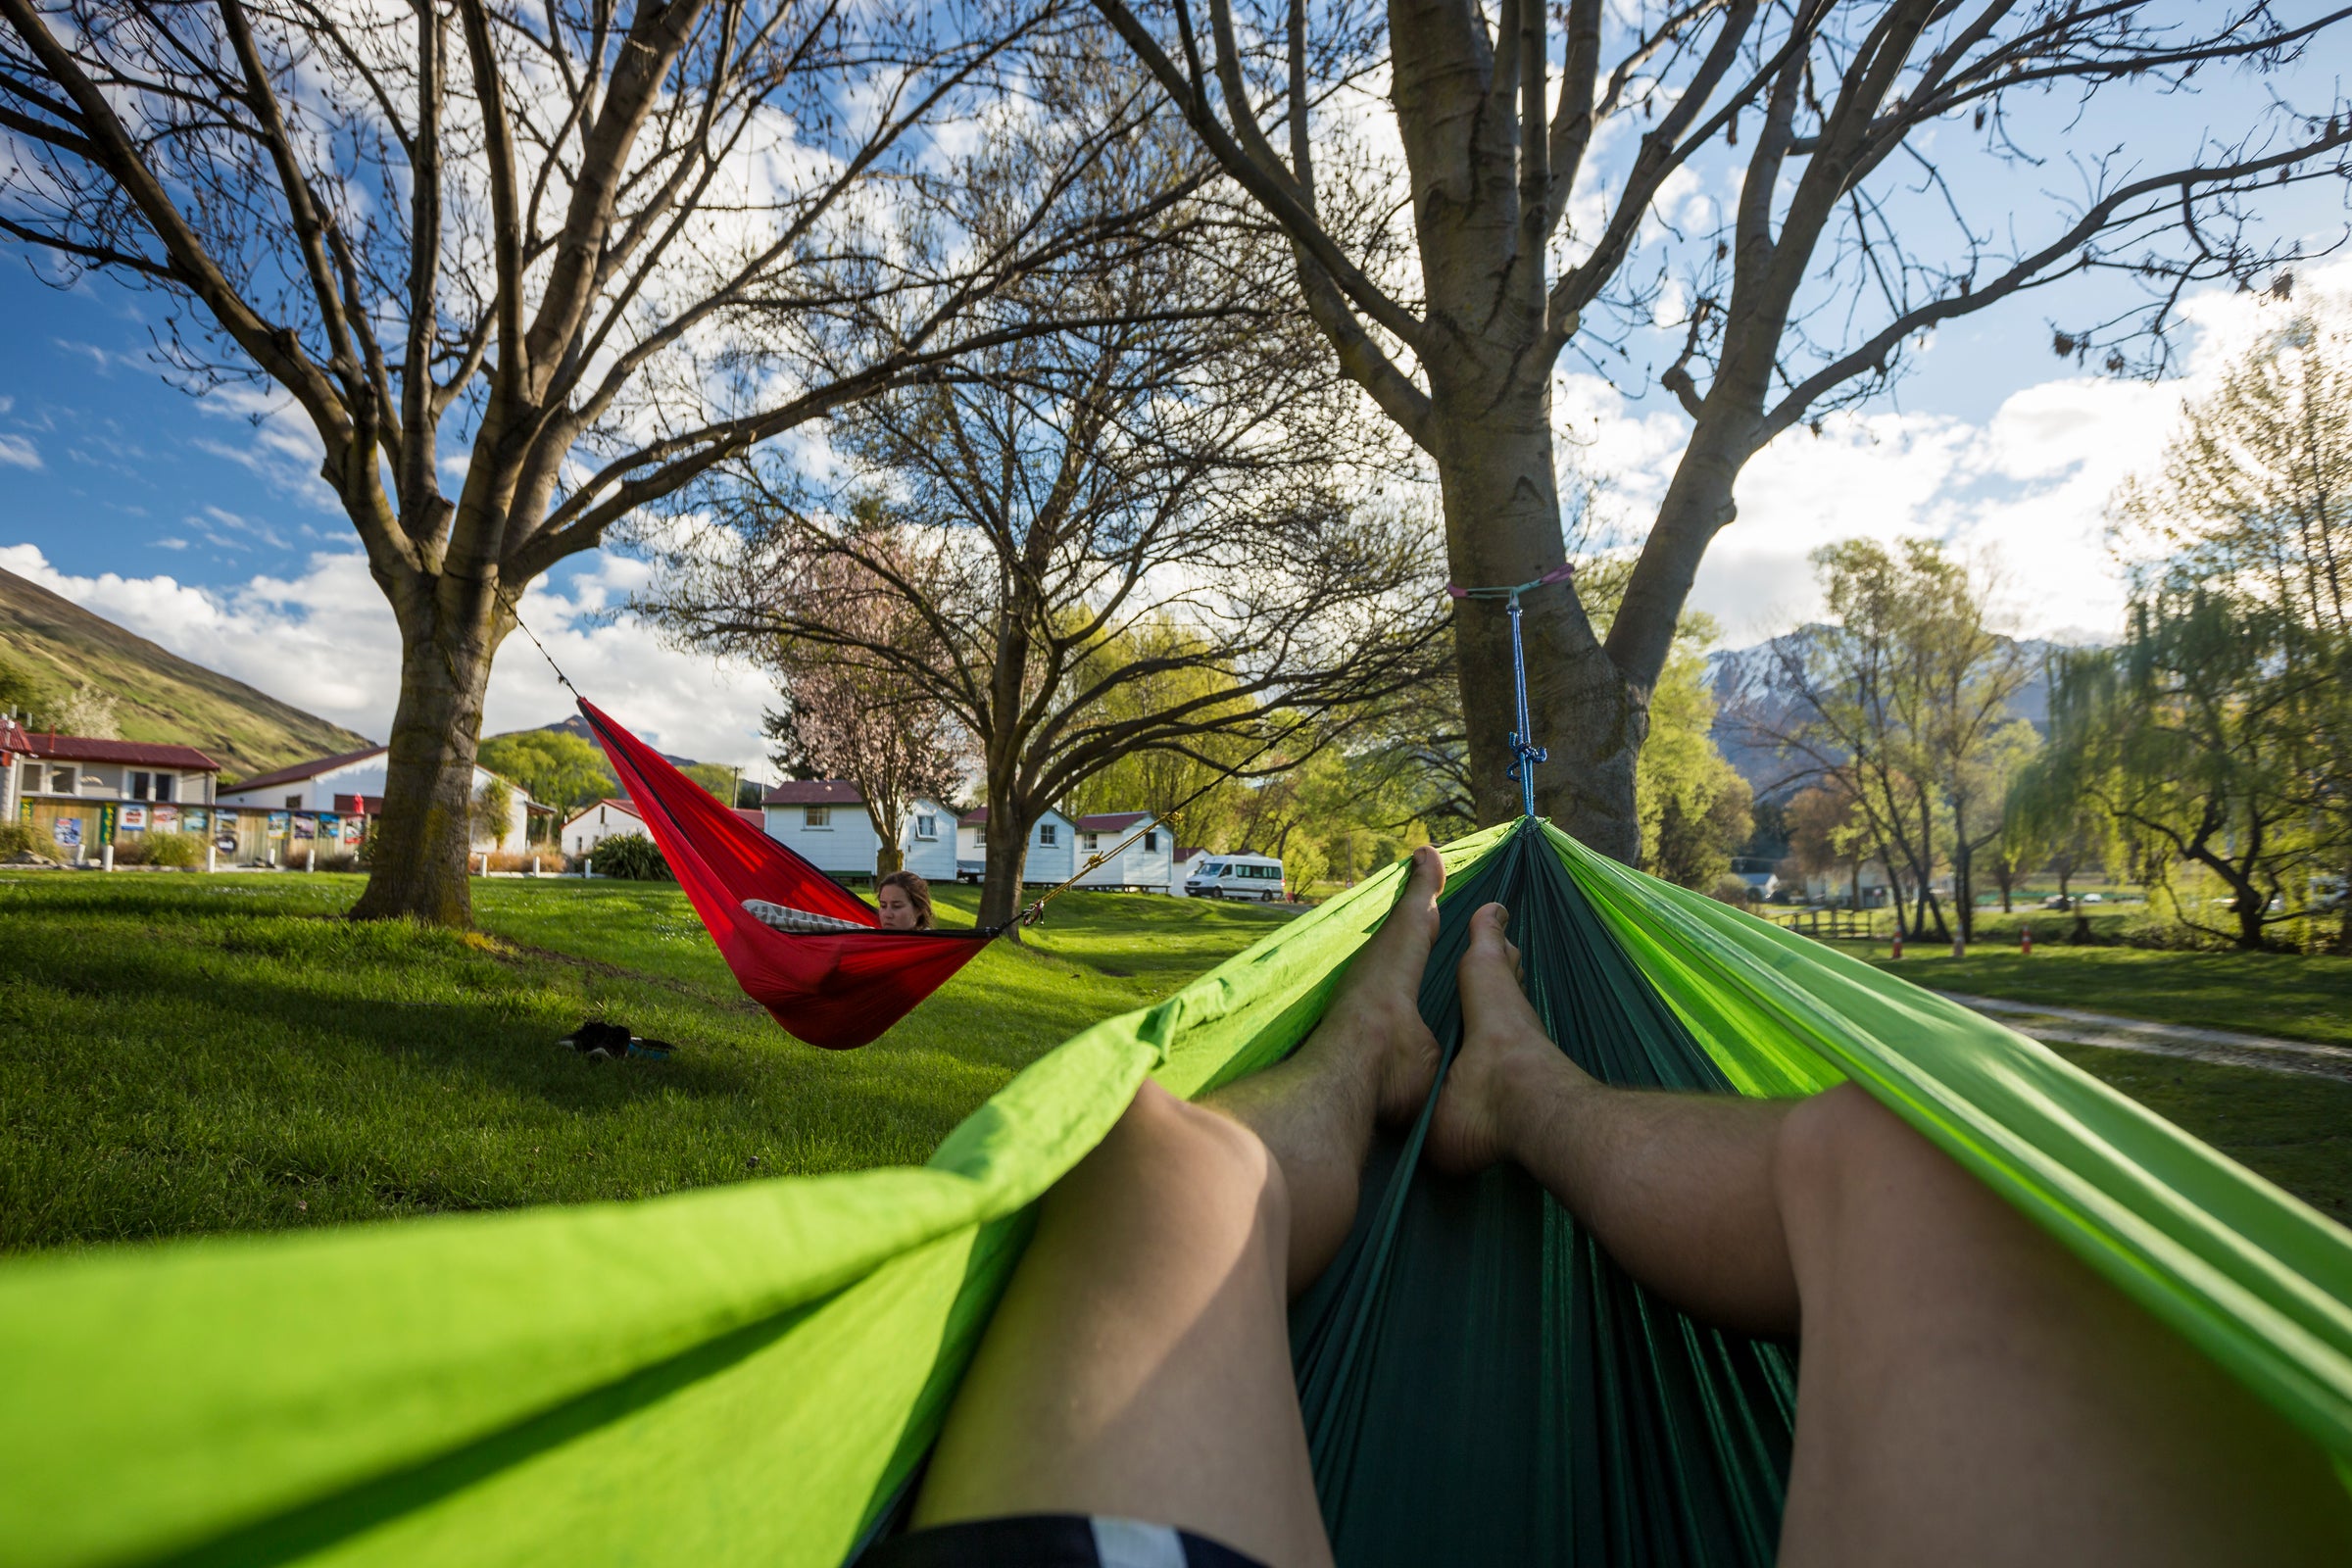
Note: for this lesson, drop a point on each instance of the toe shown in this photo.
(1489, 976)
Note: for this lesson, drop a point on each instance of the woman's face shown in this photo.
(898, 909)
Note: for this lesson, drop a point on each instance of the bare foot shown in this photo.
(1378, 1006)
(1508, 1065)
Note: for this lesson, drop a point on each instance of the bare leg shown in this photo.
(1969, 1392)
(1371, 1059)
(1676, 1187)
(1139, 1365)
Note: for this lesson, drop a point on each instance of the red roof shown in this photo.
(85, 749)
(752, 814)
(310, 770)
(13, 737)
(1112, 822)
(813, 792)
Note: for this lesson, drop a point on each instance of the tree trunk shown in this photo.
(1963, 889)
(1503, 526)
(2343, 914)
(889, 857)
(417, 849)
(1006, 853)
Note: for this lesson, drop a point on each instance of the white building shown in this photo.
(353, 785)
(1053, 847)
(1837, 885)
(1146, 865)
(591, 825)
(77, 792)
(825, 821)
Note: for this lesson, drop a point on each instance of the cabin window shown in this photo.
(165, 786)
(1091, 841)
(1046, 833)
(293, 803)
(1151, 843)
(926, 826)
(138, 786)
(980, 837)
(817, 816)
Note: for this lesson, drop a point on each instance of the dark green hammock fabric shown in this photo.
(1482, 1384)
(752, 1374)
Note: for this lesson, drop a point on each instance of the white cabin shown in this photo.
(825, 821)
(591, 825)
(353, 785)
(1146, 865)
(1053, 849)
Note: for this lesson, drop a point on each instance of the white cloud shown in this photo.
(2027, 490)
(324, 640)
(18, 451)
(279, 445)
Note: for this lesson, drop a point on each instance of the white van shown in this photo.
(1235, 876)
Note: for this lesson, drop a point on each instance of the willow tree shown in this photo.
(1548, 152)
(2221, 730)
(523, 268)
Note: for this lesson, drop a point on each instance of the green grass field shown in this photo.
(191, 1054)
(2291, 996)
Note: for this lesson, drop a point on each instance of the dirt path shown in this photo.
(2044, 1021)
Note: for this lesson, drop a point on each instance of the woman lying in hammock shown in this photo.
(1968, 1394)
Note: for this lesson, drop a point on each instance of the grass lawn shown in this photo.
(2291, 996)
(189, 1053)
(2296, 1130)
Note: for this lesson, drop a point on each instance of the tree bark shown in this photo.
(417, 848)
(1005, 856)
(1964, 888)
(1494, 454)
(2246, 901)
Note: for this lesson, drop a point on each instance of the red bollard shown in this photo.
(1898, 942)
(2025, 942)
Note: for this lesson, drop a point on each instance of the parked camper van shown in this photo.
(1235, 876)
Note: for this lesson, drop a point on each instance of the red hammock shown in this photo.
(836, 989)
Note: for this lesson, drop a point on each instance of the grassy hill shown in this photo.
(158, 695)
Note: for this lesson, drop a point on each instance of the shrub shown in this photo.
(170, 849)
(632, 856)
(16, 838)
(129, 849)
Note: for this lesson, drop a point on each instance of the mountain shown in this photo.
(576, 725)
(1741, 679)
(160, 696)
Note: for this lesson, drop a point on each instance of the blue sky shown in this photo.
(185, 519)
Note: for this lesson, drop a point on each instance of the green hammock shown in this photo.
(751, 1374)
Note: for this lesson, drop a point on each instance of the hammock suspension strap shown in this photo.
(515, 611)
(1525, 752)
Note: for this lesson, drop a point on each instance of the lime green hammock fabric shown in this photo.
(752, 1374)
